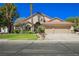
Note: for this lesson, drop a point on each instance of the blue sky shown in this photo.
(61, 10)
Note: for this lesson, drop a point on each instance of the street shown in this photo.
(54, 45)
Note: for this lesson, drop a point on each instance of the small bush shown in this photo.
(28, 32)
(76, 28)
(16, 31)
(41, 29)
(24, 32)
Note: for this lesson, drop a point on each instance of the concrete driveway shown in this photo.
(62, 37)
(57, 44)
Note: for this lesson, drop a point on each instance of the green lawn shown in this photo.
(19, 36)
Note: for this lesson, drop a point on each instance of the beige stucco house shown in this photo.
(48, 22)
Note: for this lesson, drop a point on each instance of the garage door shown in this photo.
(57, 31)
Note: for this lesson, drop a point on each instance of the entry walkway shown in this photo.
(54, 45)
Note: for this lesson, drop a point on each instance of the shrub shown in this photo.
(76, 28)
(41, 29)
(28, 32)
(16, 31)
(23, 32)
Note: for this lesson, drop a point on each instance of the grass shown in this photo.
(18, 36)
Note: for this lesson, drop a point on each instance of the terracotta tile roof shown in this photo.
(49, 21)
(23, 21)
(57, 21)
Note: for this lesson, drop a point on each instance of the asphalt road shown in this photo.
(53, 45)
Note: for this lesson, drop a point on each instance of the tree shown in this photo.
(74, 20)
(2, 21)
(70, 19)
(41, 29)
(9, 13)
(36, 25)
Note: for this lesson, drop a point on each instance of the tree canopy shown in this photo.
(72, 19)
(8, 12)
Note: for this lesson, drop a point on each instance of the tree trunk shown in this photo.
(0, 29)
(10, 28)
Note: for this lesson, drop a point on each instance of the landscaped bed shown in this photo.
(19, 36)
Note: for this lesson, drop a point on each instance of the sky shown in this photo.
(60, 10)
